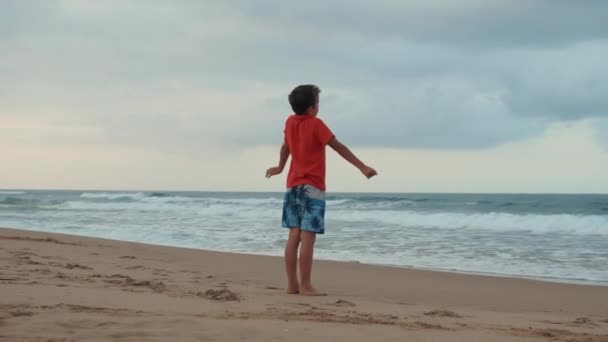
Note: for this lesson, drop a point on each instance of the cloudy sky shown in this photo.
(438, 95)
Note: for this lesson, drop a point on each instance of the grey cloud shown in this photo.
(564, 101)
(438, 74)
(496, 23)
(415, 116)
(602, 133)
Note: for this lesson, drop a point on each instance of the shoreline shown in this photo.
(583, 282)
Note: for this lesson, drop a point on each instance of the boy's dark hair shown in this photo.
(303, 97)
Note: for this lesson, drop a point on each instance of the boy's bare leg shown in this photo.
(306, 255)
(291, 261)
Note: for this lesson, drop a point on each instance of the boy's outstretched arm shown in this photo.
(284, 155)
(350, 157)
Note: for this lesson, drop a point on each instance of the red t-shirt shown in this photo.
(307, 137)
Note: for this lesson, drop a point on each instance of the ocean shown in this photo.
(550, 237)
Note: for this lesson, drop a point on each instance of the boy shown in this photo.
(304, 205)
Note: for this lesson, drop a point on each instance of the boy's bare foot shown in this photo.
(293, 289)
(311, 292)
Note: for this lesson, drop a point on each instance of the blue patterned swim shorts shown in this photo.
(304, 208)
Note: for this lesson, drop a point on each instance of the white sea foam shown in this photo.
(535, 223)
(113, 195)
(347, 211)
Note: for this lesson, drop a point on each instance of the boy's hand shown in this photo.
(273, 171)
(368, 172)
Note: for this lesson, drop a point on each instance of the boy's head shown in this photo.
(304, 99)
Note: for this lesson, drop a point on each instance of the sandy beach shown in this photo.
(66, 288)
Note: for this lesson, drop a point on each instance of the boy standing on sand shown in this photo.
(304, 205)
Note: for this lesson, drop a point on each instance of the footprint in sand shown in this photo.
(222, 295)
(52, 257)
(189, 271)
(119, 279)
(425, 325)
(73, 266)
(21, 313)
(9, 278)
(443, 313)
(584, 321)
(344, 303)
(161, 274)
(134, 267)
(272, 288)
(23, 253)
